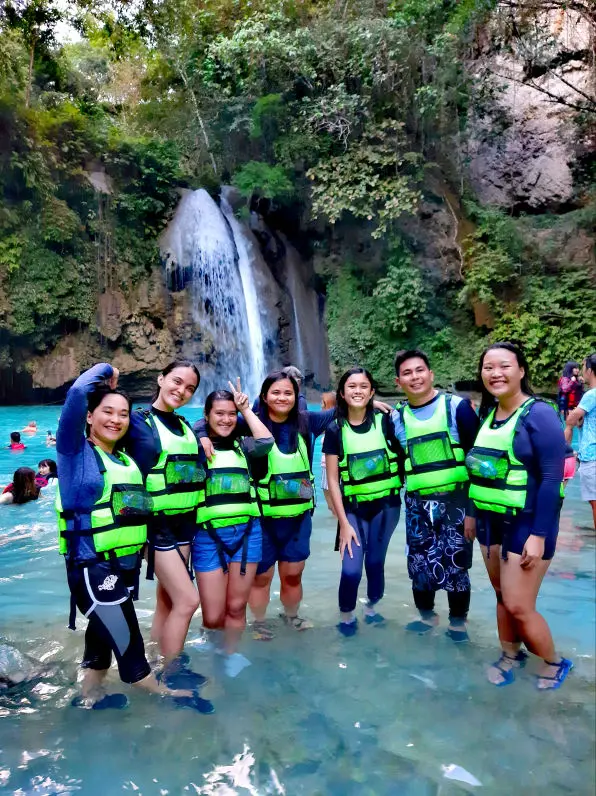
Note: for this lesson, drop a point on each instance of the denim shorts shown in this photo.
(285, 539)
(205, 556)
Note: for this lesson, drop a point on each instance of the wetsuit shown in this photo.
(539, 444)
(373, 520)
(102, 587)
(240, 540)
(439, 556)
(284, 538)
(172, 529)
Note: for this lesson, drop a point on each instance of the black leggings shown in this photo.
(459, 604)
(102, 593)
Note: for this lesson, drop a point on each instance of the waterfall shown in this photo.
(244, 247)
(201, 247)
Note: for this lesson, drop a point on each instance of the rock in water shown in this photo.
(15, 667)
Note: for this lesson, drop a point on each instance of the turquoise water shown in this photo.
(381, 713)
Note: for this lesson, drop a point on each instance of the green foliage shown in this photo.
(401, 297)
(270, 182)
(371, 179)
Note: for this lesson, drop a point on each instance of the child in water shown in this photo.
(15, 442)
(22, 489)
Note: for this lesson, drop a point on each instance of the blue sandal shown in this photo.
(509, 674)
(564, 666)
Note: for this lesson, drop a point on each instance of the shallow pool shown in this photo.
(382, 713)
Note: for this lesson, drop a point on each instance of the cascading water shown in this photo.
(201, 246)
(244, 246)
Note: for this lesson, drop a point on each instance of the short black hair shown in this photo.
(591, 362)
(410, 353)
(15, 436)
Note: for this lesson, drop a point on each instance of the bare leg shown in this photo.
(163, 606)
(184, 598)
(93, 679)
(290, 575)
(507, 627)
(239, 589)
(212, 589)
(593, 504)
(151, 685)
(260, 594)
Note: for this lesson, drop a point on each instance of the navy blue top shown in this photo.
(140, 441)
(540, 446)
(81, 482)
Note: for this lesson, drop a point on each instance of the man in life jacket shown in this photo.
(15, 442)
(436, 430)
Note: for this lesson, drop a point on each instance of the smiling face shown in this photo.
(176, 389)
(44, 469)
(416, 379)
(109, 421)
(222, 418)
(501, 373)
(357, 391)
(280, 398)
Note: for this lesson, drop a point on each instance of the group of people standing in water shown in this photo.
(233, 496)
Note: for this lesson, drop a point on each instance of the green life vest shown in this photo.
(498, 480)
(435, 461)
(368, 469)
(175, 482)
(119, 517)
(287, 490)
(229, 496)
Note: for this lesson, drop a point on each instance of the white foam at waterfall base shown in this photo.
(200, 244)
(245, 258)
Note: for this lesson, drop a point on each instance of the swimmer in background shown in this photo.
(50, 439)
(328, 401)
(47, 472)
(30, 428)
(22, 489)
(15, 442)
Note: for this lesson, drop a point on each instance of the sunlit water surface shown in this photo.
(381, 713)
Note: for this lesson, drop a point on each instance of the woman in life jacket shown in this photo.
(516, 472)
(364, 460)
(103, 509)
(285, 489)
(228, 544)
(47, 473)
(165, 448)
(22, 489)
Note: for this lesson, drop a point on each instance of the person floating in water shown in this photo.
(516, 471)
(228, 544)
(22, 489)
(50, 439)
(30, 428)
(435, 430)
(363, 463)
(47, 472)
(165, 448)
(15, 443)
(103, 509)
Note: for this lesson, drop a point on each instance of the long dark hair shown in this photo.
(177, 363)
(489, 401)
(24, 487)
(342, 406)
(218, 395)
(96, 397)
(52, 465)
(568, 369)
(297, 420)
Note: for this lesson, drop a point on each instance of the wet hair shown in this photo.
(52, 465)
(569, 368)
(177, 363)
(24, 487)
(15, 436)
(342, 406)
(410, 353)
(489, 401)
(590, 362)
(99, 393)
(297, 420)
(328, 400)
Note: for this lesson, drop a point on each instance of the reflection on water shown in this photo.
(381, 713)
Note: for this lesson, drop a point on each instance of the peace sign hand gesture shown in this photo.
(240, 398)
